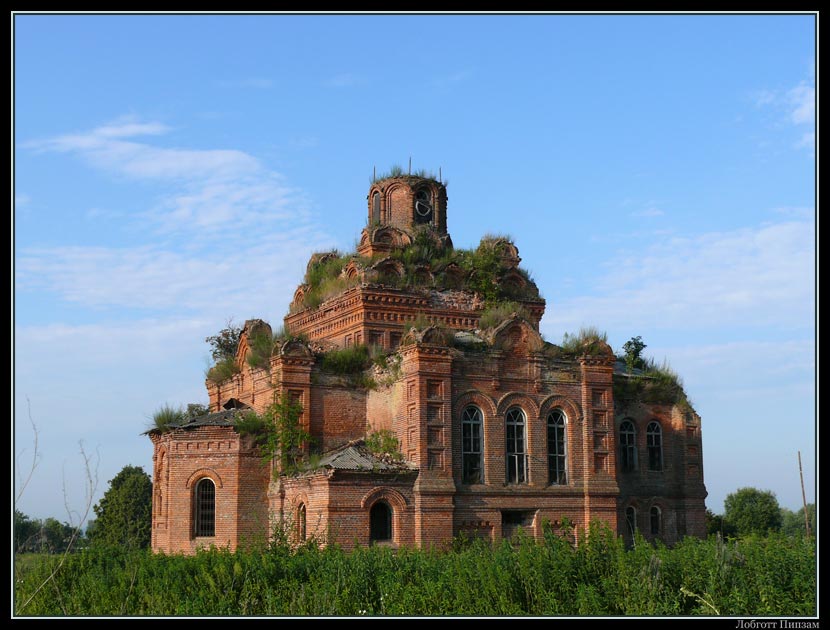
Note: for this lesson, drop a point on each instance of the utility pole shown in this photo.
(803, 496)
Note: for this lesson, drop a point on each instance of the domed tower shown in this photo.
(399, 205)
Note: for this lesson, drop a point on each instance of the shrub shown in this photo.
(383, 443)
(589, 340)
(167, 416)
(496, 314)
(222, 371)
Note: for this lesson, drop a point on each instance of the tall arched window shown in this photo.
(301, 522)
(654, 444)
(656, 521)
(376, 207)
(205, 508)
(556, 447)
(516, 455)
(380, 522)
(471, 446)
(630, 520)
(628, 447)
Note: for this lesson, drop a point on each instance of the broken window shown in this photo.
(471, 446)
(654, 443)
(628, 447)
(380, 522)
(556, 447)
(631, 521)
(516, 455)
(656, 521)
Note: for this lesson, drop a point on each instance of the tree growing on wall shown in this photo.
(124, 514)
(633, 349)
(278, 432)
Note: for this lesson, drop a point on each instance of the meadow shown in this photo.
(752, 576)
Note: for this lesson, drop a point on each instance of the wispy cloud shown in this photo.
(795, 106)
(21, 200)
(344, 80)
(650, 211)
(234, 230)
(259, 83)
(760, 276)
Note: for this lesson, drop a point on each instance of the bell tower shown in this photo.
(407, 202)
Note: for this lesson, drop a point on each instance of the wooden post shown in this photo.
(803, 497)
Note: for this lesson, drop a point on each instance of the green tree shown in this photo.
(224, 343)
(278, 432)
(752, 511)
(26, 532)
(715, 524)
(54, 535)
(792, 523)
(124, 514)
(633, 349)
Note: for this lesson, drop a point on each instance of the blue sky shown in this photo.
(657, 173)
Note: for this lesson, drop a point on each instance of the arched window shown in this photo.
(471, 446)
(376, 207)
(630, 520)
(516, 455)
(654, 443)
(656, 521)
(556, 447)
(628, 447)
(301, 521)
(380, 522)
(423, 206)
(205, 520)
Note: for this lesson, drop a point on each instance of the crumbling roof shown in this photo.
(224, 418)
(354, 456)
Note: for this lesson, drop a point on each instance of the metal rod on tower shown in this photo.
(374, 173)
(803, 497)
(410, 166)
(440, 179)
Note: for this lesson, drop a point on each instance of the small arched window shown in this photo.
(205, 520)
(380, 522)
(628, 447)
(556, 447)
(656, 521)
(471, 446)
(301, 522)
(376, 207)
(654, 444)
(630, 520)
(516, 455)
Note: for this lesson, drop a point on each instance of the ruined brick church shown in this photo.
(491, 428)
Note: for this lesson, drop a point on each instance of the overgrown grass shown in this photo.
(222, 371)
(498, 313)
(383, 443)
(427, 263)
(166, 416)
(589, 340)
(658, 384)
(774, 576)
(346, 361)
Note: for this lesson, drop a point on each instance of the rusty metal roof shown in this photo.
(356, 457)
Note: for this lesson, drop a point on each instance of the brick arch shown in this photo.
(395, 499)
(572, 410)
(201, 474)
(475, 397)
(518, 399)
(299, 499)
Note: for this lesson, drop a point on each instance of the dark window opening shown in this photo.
(654, 442)
(380, 522)
(513, 520)
(301, 522)
(516, 457)
(205, 508)
(556, 447)
(656, 521)
(376, 208)
(471, 446)
(628, 447)
(631, 520)
(423, 207)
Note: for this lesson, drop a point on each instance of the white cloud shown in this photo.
(344, 79)
(21, 200)
(260, 83)
(807, 141)
(802, 102)
(751, 277)
(650, 211)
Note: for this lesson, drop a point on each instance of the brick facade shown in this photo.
(433, 375)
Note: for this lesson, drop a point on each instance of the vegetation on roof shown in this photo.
(588, 341)
(278, 433)
(427, 263)
(396, 170)
(384, 445)
(654, 384)
(494, 315)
